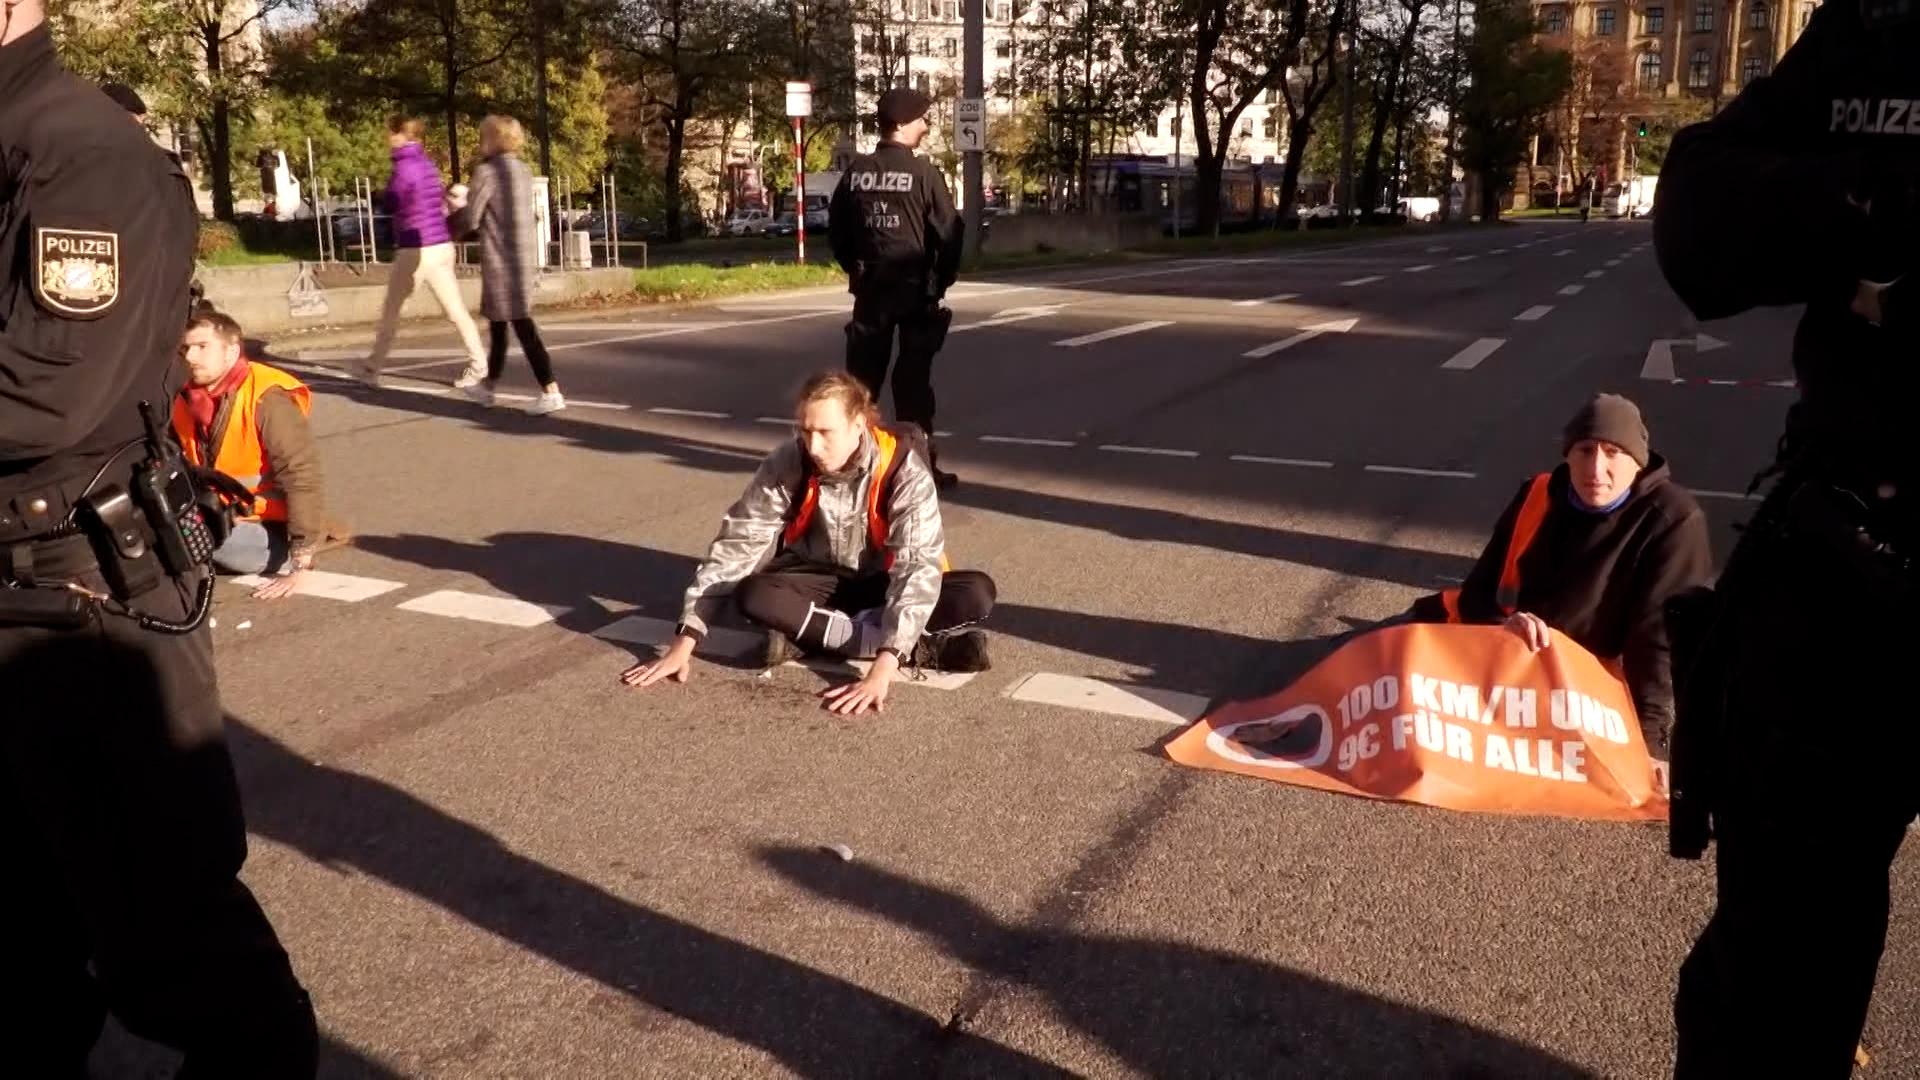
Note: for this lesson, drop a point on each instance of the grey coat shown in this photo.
(500, 208)
(836, 537)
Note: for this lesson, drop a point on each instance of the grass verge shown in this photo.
(694, 282)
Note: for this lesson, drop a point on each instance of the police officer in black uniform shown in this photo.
(118, 803)
(894, 231)
(1790, 747)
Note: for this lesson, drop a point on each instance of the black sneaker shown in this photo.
(778, 649)
(944, 481)
(959, 653)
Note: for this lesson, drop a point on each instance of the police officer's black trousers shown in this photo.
(123, 840)
(878, 311)
(1816, 792)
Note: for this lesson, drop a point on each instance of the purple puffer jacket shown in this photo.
(416, 200)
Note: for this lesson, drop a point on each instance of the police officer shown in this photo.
(894, 231)
(1788, 742)
(118, 804)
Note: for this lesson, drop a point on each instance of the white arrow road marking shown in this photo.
(1659, 365)
(1475, 354)
(1011, 315)
(1339, 326)
(1118, 331)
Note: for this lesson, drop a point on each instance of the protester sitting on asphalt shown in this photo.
(1594, 550)
(249, 420)
(848, 512)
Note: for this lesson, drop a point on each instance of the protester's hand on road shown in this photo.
(1531, 629)
(278, 587)
(855, 698)
(677, 664)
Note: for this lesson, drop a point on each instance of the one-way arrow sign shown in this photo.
(1659, 365)
(970, 125)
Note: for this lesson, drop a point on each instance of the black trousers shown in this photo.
(124, 841)
(783, 595)
(530, 344)
(1816, 791)
(879, 311)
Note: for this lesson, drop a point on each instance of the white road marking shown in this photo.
(500, 610)
(1011, 315)
(783, 421)
(1659, 363)
(722, 641)
(587, 327)
(325, 355)
(1474, 355)
(1593, 275)
(1155, 451)
(931, 680)
(572, 403)
(1615, 262)
(1109, 335)
(1104, 696)
(1421, 269)
(1407, 470)
(1563, 251)
(1303, 463)
(749, 309)
(1277, 298)
(1464, 258)
(345, 588)
(1436, 249)
(697, 414)
(1737, 496)
(1572, 290)
(1534, 314)
(1498, 251)
(1337, 326)
(1364, 280)
(690, 329)
(1015, 440)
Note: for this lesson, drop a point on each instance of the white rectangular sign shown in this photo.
(969, 125)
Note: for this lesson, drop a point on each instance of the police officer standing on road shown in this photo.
(1789, 741)
(894, 231)
(120, 811)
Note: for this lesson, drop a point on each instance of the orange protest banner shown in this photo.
(1461, 717)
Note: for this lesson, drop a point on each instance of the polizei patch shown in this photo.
(75, 272)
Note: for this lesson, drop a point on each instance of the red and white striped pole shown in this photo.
(799, 107)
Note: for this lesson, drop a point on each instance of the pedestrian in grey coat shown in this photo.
(499, 208)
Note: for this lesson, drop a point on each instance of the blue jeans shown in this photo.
(255, 547)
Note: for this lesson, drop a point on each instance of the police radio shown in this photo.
(188, 521)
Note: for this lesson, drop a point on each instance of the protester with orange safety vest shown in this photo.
(249, 421)
(1593, 550)
(850, 516)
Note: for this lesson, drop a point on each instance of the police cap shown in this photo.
(901, 106)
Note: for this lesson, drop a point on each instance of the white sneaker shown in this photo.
(547, 403)
(481, 391)
(471, 375)
(364, 373)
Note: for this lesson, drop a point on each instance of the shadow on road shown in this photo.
(813, 1023)
(1168, 1009)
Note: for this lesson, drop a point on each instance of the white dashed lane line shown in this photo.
(1363, 280)
(1474, 355)
(1017, 440)
(1572, 290)
(1278, 298)
(1106, 696)
(500, 610)
(345, 588)
(1298, 463)
(1151, 451)
(1535, 313)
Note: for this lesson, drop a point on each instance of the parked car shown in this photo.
(748, 222)
(785, 225)
(347, 227)
(626, 226)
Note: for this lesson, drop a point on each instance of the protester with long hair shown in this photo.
(423, 250)
(499, 208)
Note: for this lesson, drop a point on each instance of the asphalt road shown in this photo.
(488, 859)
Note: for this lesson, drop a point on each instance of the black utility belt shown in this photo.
(39, 582)
(1869, 534)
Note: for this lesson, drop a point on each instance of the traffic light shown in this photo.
(1643, 129)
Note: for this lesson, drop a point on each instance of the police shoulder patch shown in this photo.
(76, 273)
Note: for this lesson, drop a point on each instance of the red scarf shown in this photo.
(204, 401)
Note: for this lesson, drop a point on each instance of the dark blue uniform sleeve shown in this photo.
(843, 226)
(946, 230)
(101, 292)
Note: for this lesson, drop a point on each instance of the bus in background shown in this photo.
(820, 187)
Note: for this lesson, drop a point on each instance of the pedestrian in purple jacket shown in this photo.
(423, 250)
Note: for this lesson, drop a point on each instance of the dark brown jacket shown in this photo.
(1603, 580)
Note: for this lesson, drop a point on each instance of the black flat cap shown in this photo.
(901, 106)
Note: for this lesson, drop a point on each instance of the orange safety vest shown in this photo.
(241, 455)
(1533, 512)
(886, 452)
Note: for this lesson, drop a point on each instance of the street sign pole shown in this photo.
(974, 90)
(799, 107)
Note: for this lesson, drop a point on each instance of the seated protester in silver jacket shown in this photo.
(848, 512)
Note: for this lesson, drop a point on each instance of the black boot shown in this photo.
(942, 481)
